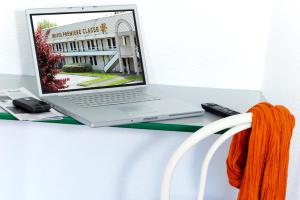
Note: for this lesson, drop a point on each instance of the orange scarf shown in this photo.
(257, 161)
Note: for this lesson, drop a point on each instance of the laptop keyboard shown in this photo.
(110, 98)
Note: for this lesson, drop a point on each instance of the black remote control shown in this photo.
(31, 105)
(218, 110)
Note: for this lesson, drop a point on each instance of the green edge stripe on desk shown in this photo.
(142, 125)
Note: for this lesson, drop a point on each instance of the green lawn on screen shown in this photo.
(105, 77)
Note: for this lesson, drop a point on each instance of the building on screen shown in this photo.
(109, 44)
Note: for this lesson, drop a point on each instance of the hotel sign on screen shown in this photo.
(95, 29)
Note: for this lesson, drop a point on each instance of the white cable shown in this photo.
(210, 153)
(196, 137)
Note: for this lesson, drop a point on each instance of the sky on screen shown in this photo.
(64, 19)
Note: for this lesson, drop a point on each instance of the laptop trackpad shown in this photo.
(137, 109)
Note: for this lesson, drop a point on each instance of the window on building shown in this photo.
(97, 46)
(113, 42)
(109, 43)
(95, 60)
(93, 44)
(76, 58)
(84, 59)
(101, 41)
(82, 43)
(124, 62)
(127, 40)
(89, 45)
(74, 46)
(91, 60)
(71, 45)
(135, 41)
(73, 59)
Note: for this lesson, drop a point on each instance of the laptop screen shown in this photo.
(87, 50)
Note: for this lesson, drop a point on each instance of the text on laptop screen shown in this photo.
(86, 50)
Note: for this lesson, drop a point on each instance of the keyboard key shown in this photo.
(110, 98)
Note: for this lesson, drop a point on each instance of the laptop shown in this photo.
(90, 65)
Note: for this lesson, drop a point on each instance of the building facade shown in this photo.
(109, 44)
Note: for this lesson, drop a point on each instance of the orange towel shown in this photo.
(258, 158)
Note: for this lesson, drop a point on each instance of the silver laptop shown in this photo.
(90, 65)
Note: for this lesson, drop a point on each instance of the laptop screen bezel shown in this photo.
(94, 9)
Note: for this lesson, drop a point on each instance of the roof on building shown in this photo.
(91, 29)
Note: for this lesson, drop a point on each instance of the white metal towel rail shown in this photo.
(236, 124)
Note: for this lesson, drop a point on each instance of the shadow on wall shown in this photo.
(217, 175)
(24, 45)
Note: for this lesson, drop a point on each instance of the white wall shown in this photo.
(282, 76)
(213, 43)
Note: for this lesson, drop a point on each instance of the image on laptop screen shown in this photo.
(78, 51)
